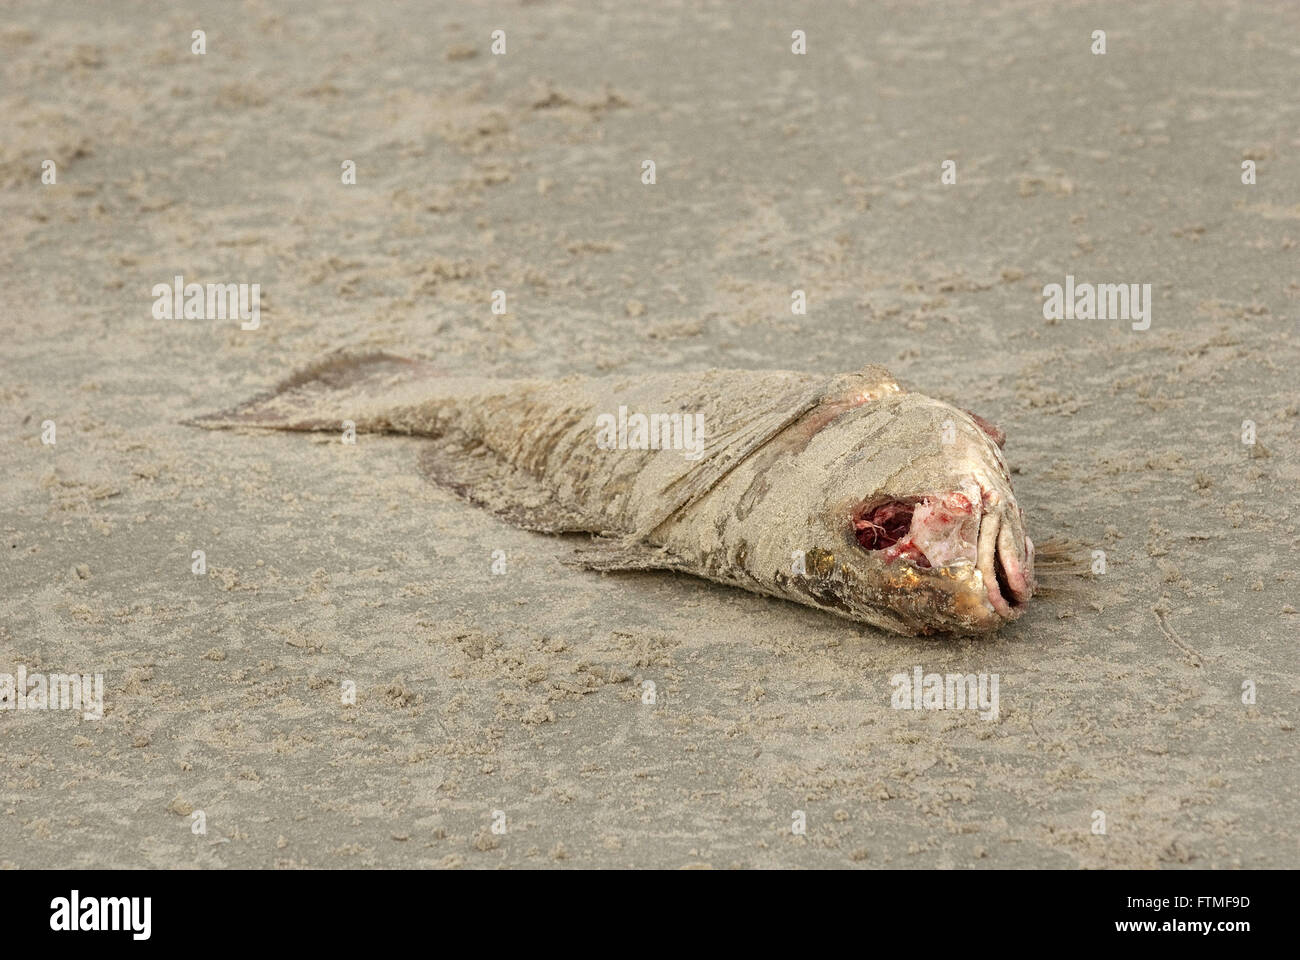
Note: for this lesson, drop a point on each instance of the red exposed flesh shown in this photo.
(884, 526)
(933, 530)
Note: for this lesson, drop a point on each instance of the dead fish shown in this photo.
(845, 493)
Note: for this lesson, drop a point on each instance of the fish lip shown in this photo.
(996, 551)
(1019, 576)
(986, 554)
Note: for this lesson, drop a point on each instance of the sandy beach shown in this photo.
(500, 718)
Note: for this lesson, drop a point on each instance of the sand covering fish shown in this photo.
(846, 493)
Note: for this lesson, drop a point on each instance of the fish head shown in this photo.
(919, 519)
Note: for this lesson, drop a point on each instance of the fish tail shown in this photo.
(368, 389)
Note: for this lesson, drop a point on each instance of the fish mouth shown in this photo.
(1005, 560)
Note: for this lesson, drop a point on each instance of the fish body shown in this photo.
(844, 493)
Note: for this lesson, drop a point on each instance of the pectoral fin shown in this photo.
(738, 440)
(765, 418)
